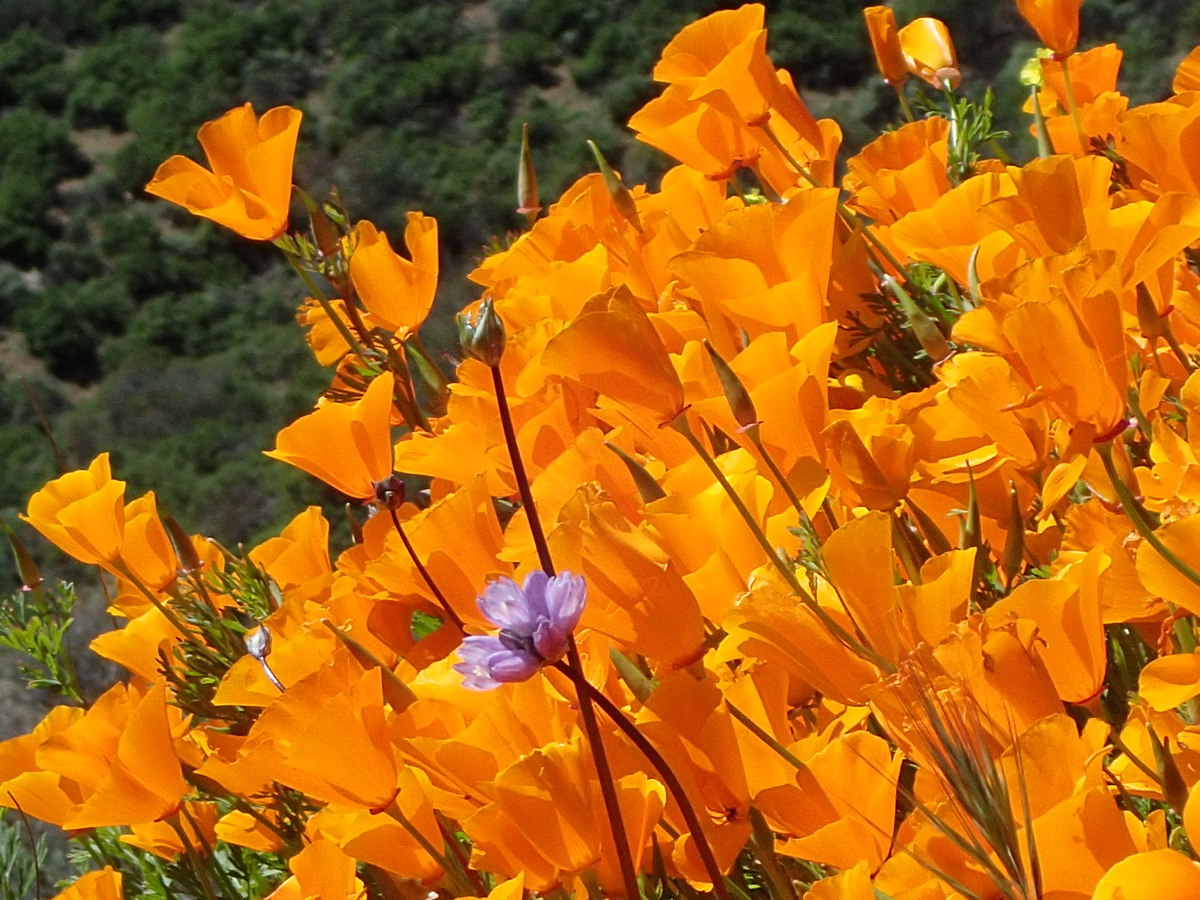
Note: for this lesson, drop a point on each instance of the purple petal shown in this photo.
(550, 641)
(535, 593)
(504, 605)
(566, 595)
(474, 652)
(512, 665)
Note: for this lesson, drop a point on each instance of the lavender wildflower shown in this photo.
(535, 621)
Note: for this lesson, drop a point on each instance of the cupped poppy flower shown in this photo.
(535, 620)
(346, 445)
(929, 52)
(103, 884)
(1055, 21)
(82, 513)
(397, 292)
(1154, 875)
(249, 186)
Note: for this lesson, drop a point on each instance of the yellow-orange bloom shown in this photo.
(929, 52)
(82, 513)
(885, 41)
(346, 445)
(103, 884)
(397, 292)
(249, 187)
(1155, 875)
(1055, 21)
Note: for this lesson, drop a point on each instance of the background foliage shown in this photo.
(173, 345)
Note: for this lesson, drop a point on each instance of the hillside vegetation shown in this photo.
(140, 331)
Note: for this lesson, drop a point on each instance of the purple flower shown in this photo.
(535, 622)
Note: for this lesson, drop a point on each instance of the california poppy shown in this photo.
(249, 186)
(318, 442)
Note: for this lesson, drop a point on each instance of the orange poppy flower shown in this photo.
(1154, 875)
(612, 347)
(122, 755)
(103, 884)
(885, 41)
(346, 445)
(1187, 75)
(321, 870)
(722, 60)
(901, 171)
(1055, 21)
(82, 513)
(249, 186)
(397, 292)
(929, 52)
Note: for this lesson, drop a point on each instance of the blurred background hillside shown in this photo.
(161, 338)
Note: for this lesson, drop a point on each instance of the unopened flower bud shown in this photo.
(736, 394)
(621, 197)
(258, 642)
(528, 202)
(482, 337)
(1031, 73)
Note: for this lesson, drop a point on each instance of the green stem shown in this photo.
(762, 839)
(905, 106)
(788, 575)
(456, 852)
(1045, 148)
(754, 728)
(1137, 515)
(403, 821)
(1073, 106)
(228, 888)
(1169, 335)
(319, 296)
(198, 867)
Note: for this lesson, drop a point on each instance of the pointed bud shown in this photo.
(648, 489)
(31, 575)
(622, 199)
(189, 559)
(1014, 543)
(1174, 788)
(736, 394)
(325, 236)
(429, 377)
(971, 535)
(973, 277)
(1149, 320)
(482, 337)
(934, 536)
(933, 342)
(528, 202)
